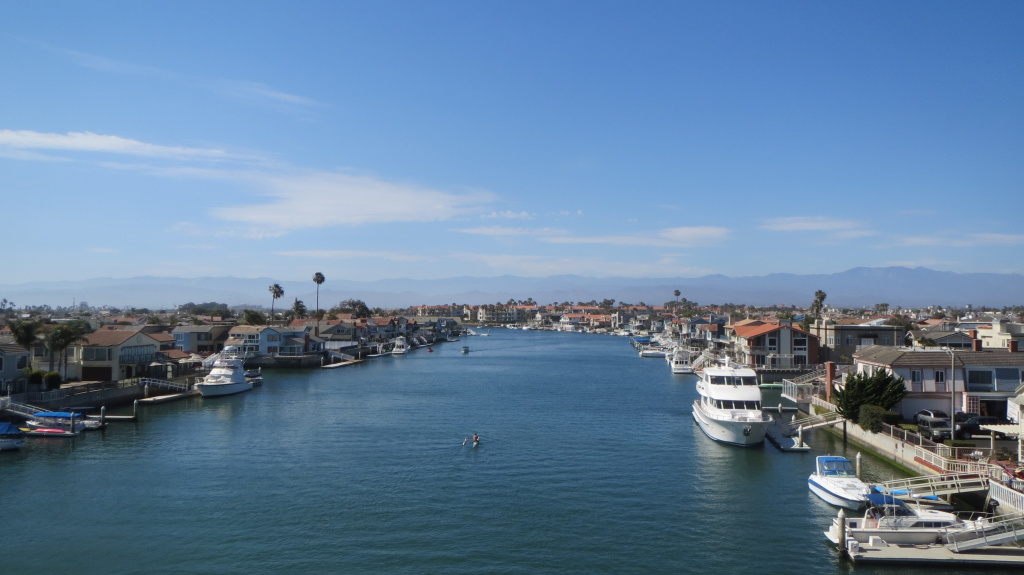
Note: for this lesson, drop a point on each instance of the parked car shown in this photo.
(972, 427)
(934, 428)
(934, 413)
(962, 416)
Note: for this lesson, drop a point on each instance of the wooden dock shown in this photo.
(166, 398)
(342, 363)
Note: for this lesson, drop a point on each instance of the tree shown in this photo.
(818, 304)
(318, 279)
(25, 334)
(878, 388)
(276, 291)
(677, 293)
(59, 339)
(253, 317)
(298, 309)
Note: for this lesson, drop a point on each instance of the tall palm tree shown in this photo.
(276, 291)
(318, 278)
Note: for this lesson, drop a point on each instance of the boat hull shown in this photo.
(11, 443)
(734, 432)
(220, 389)
(838, 499)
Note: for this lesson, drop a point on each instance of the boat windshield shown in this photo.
(733, 380)
(839, 468)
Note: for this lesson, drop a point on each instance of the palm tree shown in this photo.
(318, 278)
(25, 334)
(60, 339)
(276, 291)
(819, 299)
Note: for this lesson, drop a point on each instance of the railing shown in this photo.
(994, 531)
(149, 381)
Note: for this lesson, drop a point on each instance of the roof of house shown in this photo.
(11, 348)
(112, 337)
(932, 357)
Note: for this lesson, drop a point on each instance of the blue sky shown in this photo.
(421, 139)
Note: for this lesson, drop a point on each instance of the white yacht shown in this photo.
(729, 406)
(835, 480)
(679, 361)
(401, 347)
(225, 378)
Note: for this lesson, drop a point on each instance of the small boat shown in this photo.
(896, 523)
(254, 376)
(67, 420)
(835, 480)
(465, 349)
(227, 377)
(49, 432)
(401, 347)
(728, 408)
(11, 437)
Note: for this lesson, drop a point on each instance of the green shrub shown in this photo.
(52, 379)
(871, 418)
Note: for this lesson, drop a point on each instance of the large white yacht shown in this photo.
(225, 378)
(729, 406)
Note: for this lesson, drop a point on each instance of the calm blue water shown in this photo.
(590, 463)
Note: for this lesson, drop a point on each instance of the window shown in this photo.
(799, 344)
(940, 380)
(979, 380)
(773, 343)
(915, 380)
(1007, 378)
(831, 340)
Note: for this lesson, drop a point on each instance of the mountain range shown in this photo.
(858, 287)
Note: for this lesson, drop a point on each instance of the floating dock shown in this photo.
(167, 398)
(881, 552)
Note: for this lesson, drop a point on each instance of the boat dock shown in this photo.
(881, 552)
(789, 435)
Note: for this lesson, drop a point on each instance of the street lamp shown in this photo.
(952, 389)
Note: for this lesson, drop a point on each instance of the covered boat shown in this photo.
(11, 437)
(893, 521)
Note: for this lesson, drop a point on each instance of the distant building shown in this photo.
(840, 338)
(13, 361)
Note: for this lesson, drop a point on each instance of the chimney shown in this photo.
(976, 344)
(973, 333)
(1013, 345)
(830, 374)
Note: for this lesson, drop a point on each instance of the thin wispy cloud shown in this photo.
(809, 224)
(100, 143)
(959, 240)
(500, 231)
(352, 255)
(509, 215)
(244, 90)
(322, 199)
(669, 237)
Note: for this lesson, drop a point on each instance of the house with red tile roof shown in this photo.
(772, 345)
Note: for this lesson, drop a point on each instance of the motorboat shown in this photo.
(728, 408)
(835, 480)
(401, 347)
(67, 420)
(652, 351)
(226, 377)
(679, 361)
(11, 437)
(465, 349)
(254, 376)
(893, 521)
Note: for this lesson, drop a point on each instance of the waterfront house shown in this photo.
(201, 339)
(13, 361)
(112, 354)
(974, 380)
(776, 345)
(273, 341)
